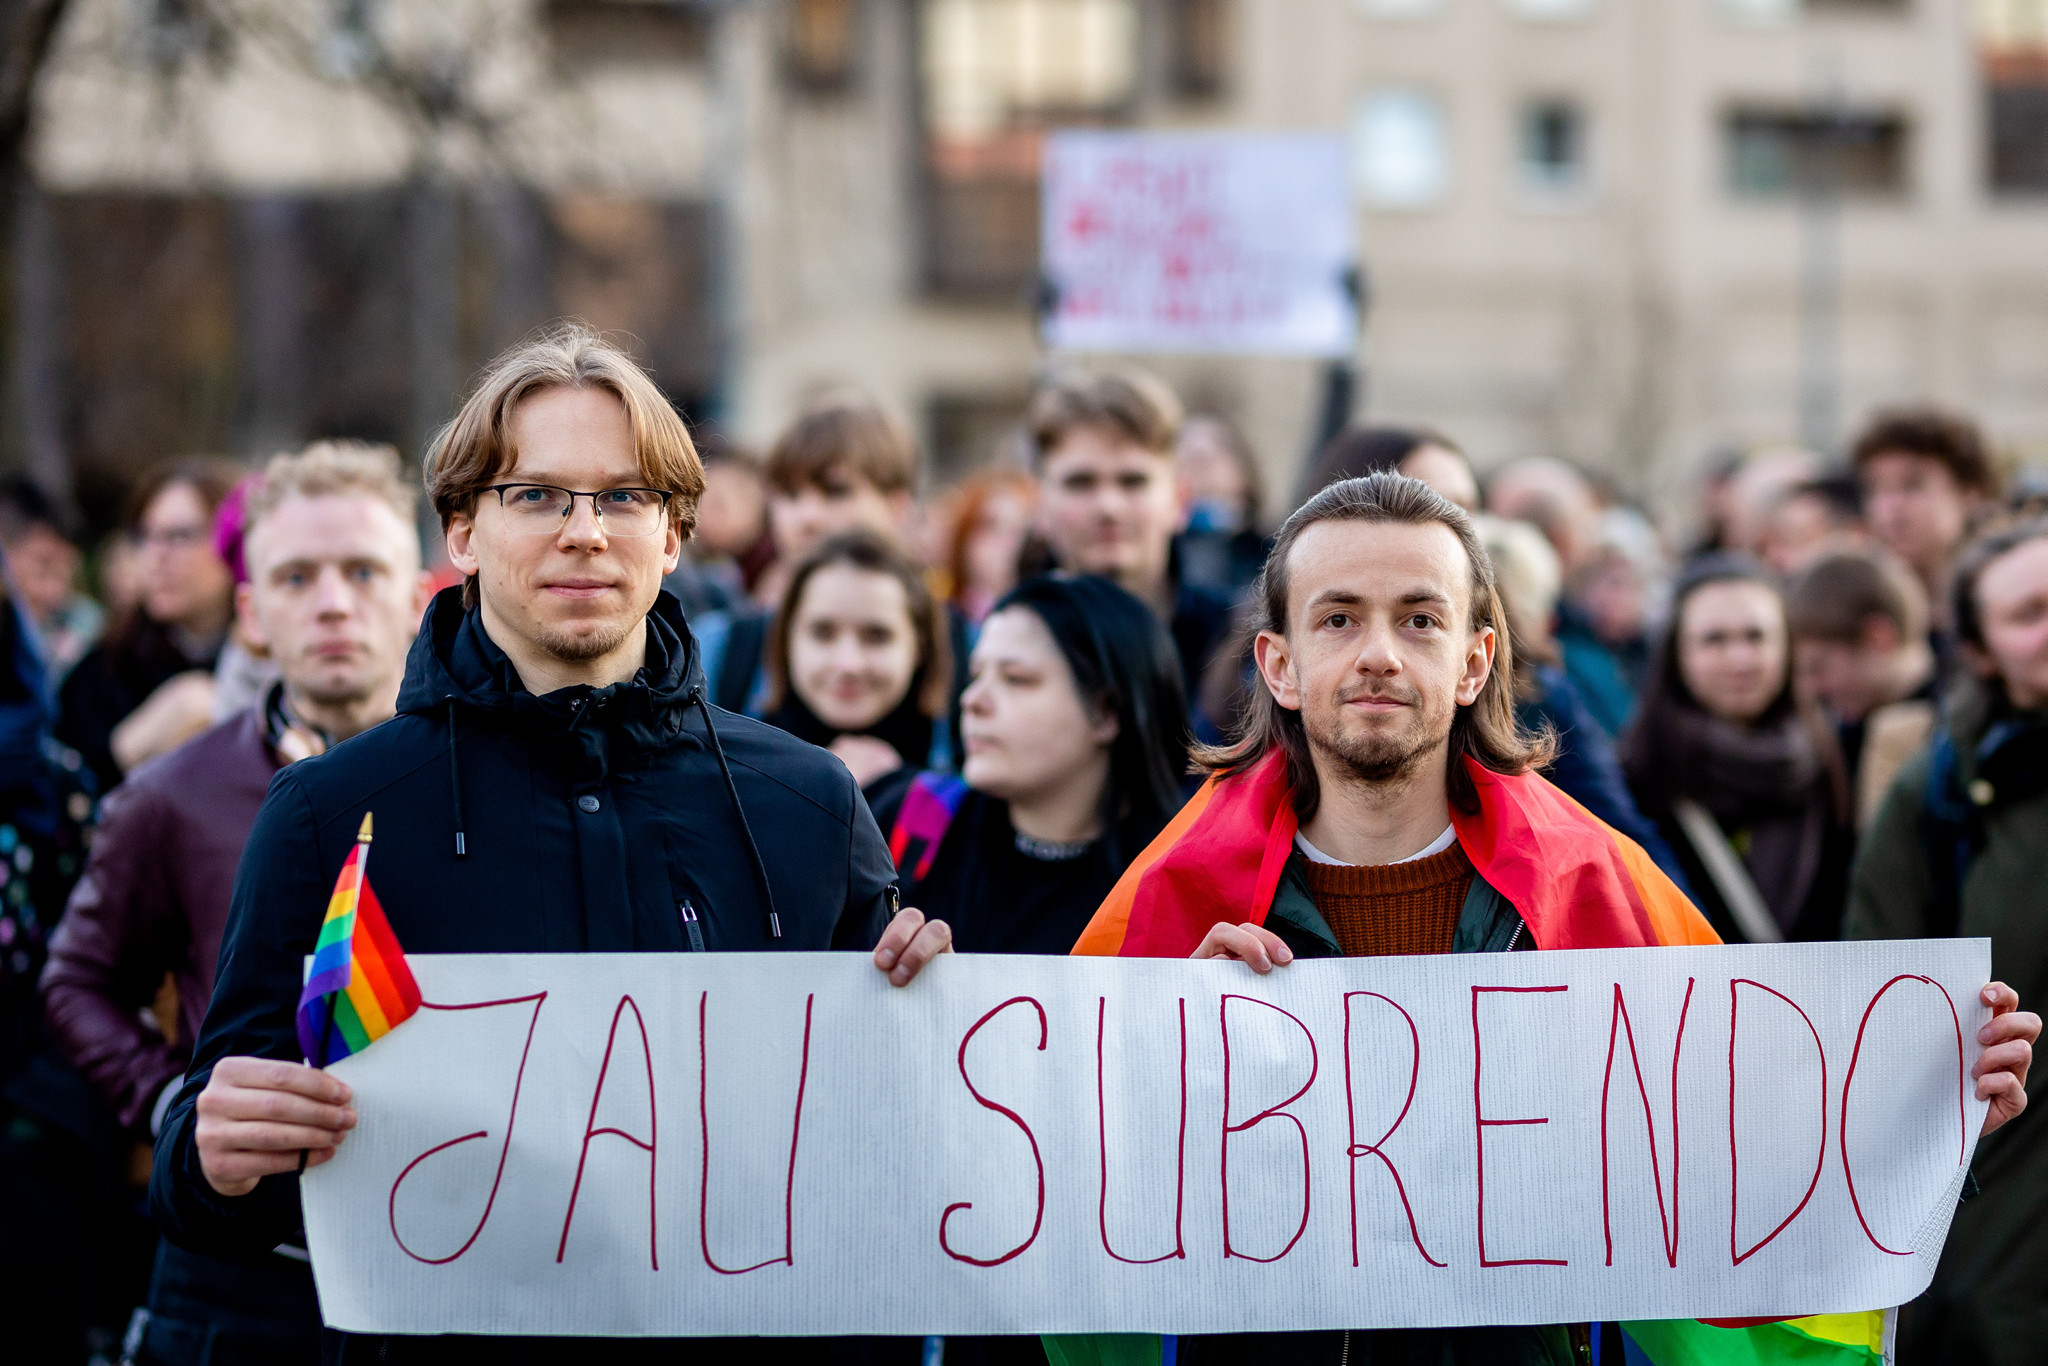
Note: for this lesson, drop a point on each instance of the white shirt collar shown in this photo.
(1435, 846)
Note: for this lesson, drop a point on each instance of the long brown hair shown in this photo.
(1486, 730)
(931, 684)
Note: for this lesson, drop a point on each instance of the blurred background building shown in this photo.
(1630, 232)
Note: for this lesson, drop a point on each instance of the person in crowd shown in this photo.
(1809, 520)
(1960, 847)
(1557, 499)
(552, 729)
(244, 673)
(148, 686)
(1745, 782)
(1417, 452)
(334, 593)
(43, 562)
(858, 663)
(1073, 743)
(844, 463)
(74, 1253)
(732, 518)
(1583, 764)
(1217, 476)
(1859, 648)
(1926, 477)
(1382, 751)
(991, 519)
(1103, 445)
(1761, 483)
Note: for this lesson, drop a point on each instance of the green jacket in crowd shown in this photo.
(1960, 847)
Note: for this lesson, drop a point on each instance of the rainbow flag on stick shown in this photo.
(360, 988)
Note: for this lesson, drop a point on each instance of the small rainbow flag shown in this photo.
(360, 988)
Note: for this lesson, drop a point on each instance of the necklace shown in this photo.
(1051, 851)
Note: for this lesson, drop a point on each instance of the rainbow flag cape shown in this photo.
(1577, 883)
(359, 988)
(1824, 1340)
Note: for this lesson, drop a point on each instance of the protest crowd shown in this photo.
(1822, 713)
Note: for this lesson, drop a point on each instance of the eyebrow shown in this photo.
(1344, 597)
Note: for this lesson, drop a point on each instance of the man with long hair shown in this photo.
(1379, 798)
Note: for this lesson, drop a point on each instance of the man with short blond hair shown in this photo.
(554, 782)
(334, 594)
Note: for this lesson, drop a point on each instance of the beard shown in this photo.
(1377, 756)
(572, 647)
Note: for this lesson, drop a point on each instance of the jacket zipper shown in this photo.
(688, 913)
(1514, 938)
(1344, 1358)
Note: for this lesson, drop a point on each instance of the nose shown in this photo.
(1376, 650)
(331, 595)
(583, 528)
(975, 698)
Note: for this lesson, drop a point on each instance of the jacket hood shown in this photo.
(454, 663)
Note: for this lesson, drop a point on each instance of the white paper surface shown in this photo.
(945, 1172)
(1203, 242)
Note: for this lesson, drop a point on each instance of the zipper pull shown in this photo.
(691, 927)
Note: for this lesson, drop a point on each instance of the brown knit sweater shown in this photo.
(1393, 907)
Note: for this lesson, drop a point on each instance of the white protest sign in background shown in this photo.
(1204, 242)
(784, 1144)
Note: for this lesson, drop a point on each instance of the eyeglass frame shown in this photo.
(592, 494)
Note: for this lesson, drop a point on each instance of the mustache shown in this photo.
(1396, 693)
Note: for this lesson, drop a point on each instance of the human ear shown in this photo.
(1104, 729)
(245, 613)
(1275, 660)
(460, 537)
(671, 547)
(1478, 664)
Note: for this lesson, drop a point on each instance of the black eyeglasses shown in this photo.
(543, 509)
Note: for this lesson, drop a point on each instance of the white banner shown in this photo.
(783, 1144)
(1205, 242)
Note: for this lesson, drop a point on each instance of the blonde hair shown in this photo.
(476, 445)
(329, 469)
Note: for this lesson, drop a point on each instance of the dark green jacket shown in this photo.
(1989, 1300)
(1486, 924)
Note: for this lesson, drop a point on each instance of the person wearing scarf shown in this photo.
(1744, 781)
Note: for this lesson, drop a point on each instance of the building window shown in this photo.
(1552, 11)
(1553, 153)
(820, 43)
(995, 75)
(1197, 47)
(1773, 153)
(590, 34)
(2016, 119)
(1399, 157)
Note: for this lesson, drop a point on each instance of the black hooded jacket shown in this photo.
(505, 822)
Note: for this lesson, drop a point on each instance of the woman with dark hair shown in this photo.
(858, 664)
(156, 663)
(1074, 740)
(1744, 782)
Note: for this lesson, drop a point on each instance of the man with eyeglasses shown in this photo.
(554, 781)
